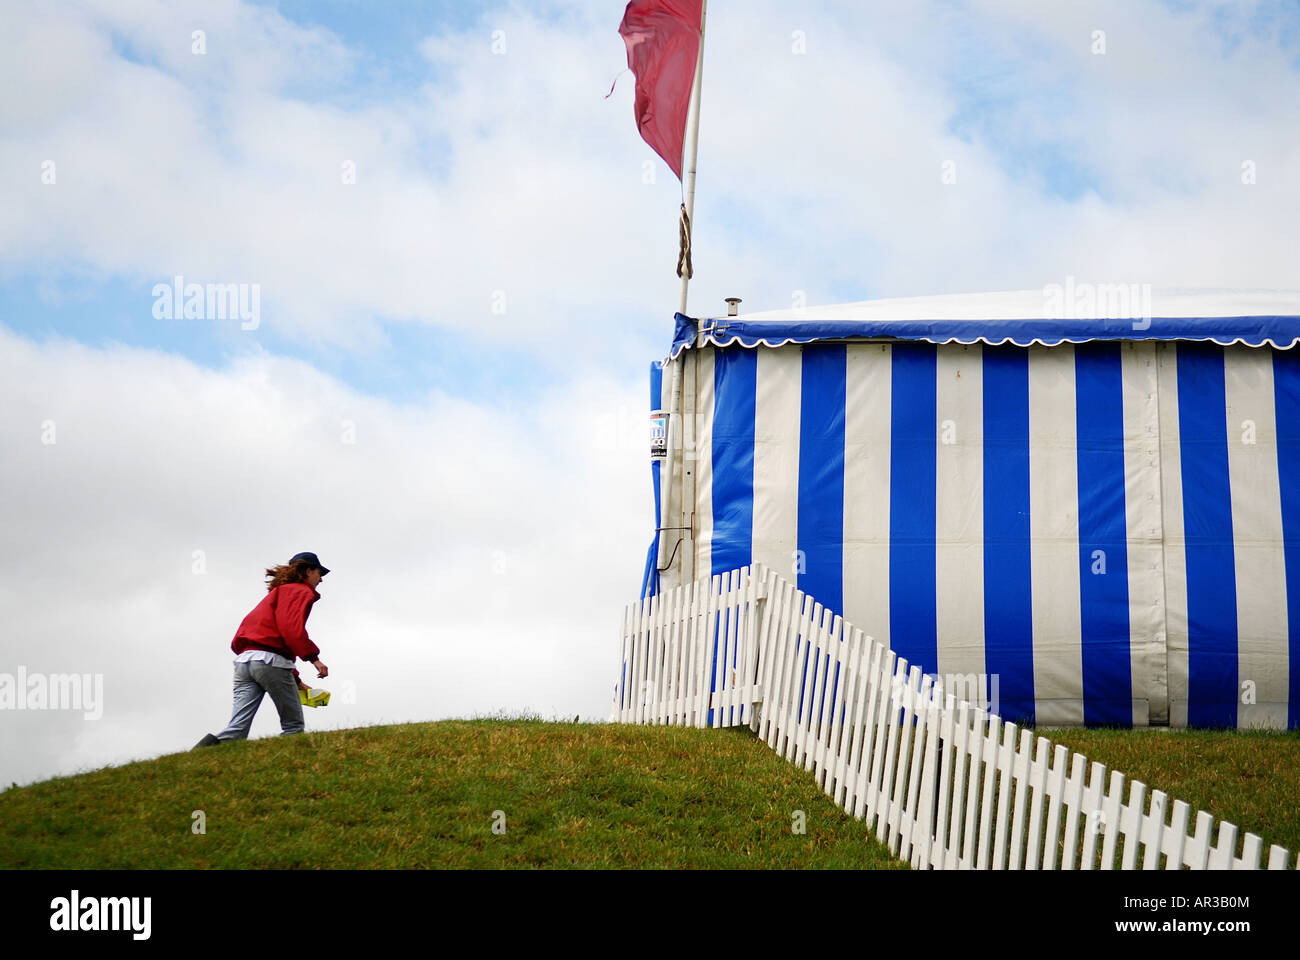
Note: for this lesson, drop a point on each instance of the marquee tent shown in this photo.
(1086, 497)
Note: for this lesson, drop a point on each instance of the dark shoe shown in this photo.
(208, 741)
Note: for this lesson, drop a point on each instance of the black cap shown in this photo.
(310, 558)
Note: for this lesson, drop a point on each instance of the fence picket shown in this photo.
(808, 686)
(744, 607)
(739, 665)
(1196, 853)
(1093, 798)
(832, 640)
(897, 768)
(815, 758)
(629, 671)
(769, 650)
(946, 753)
(924, 826)
(787, 637)
(796, 674)
(1037, 783)
(1020, 777)
(855, 694)
(1222, 855)
(955, 858)
(821, 696)
(1110, 821)
(799, 678)
(718, 678)
(765, 650)
(686, 656)
(682, 692)
(1055, 795)
(642, 655)
(1252, 847)
(990, 757)
(893, 709)
(690, 644)
(832, 708)
(705, 627)
(853, 720)
(1153, 825)
(671, 655)
(699, 608)
(1176, 837)
(1006, 765)
(851, 704)
(850, 718)
(718, 652)
(912, 806)
(1074, 794)
(654, 664)
(872, 728)
(745, 663)
(616, 714)
(663, 685)
(1130, 825)
(842, 719)
(974, 756)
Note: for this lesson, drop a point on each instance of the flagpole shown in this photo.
(692, 146)
(686, 388)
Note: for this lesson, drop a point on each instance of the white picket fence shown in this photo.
(944, 783)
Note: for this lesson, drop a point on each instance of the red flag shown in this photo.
(663, 47)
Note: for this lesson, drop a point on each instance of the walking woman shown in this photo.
(272, 635)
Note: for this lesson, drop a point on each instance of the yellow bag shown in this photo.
(312, 697)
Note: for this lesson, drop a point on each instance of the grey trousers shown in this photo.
(254, 679)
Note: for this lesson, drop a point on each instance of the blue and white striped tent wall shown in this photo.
(1104, 515)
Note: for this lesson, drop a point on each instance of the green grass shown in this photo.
(1250, 778)
(423, 796)
(573, 795)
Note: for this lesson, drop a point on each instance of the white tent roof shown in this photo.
(1059, 313)
(1078, 301)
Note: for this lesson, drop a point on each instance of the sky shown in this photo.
(463, 256)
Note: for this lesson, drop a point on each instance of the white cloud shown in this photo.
(200, 165)
(510, 172)
(478, 557)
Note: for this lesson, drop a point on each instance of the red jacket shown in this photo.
(279, 623)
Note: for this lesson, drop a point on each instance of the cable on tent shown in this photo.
(684, 267)
(659, 530)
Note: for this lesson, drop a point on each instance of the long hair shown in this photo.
(287, 573)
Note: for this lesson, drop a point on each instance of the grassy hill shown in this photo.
(424, 796)
(572, 795)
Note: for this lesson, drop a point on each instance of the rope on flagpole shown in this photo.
(684, 268)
